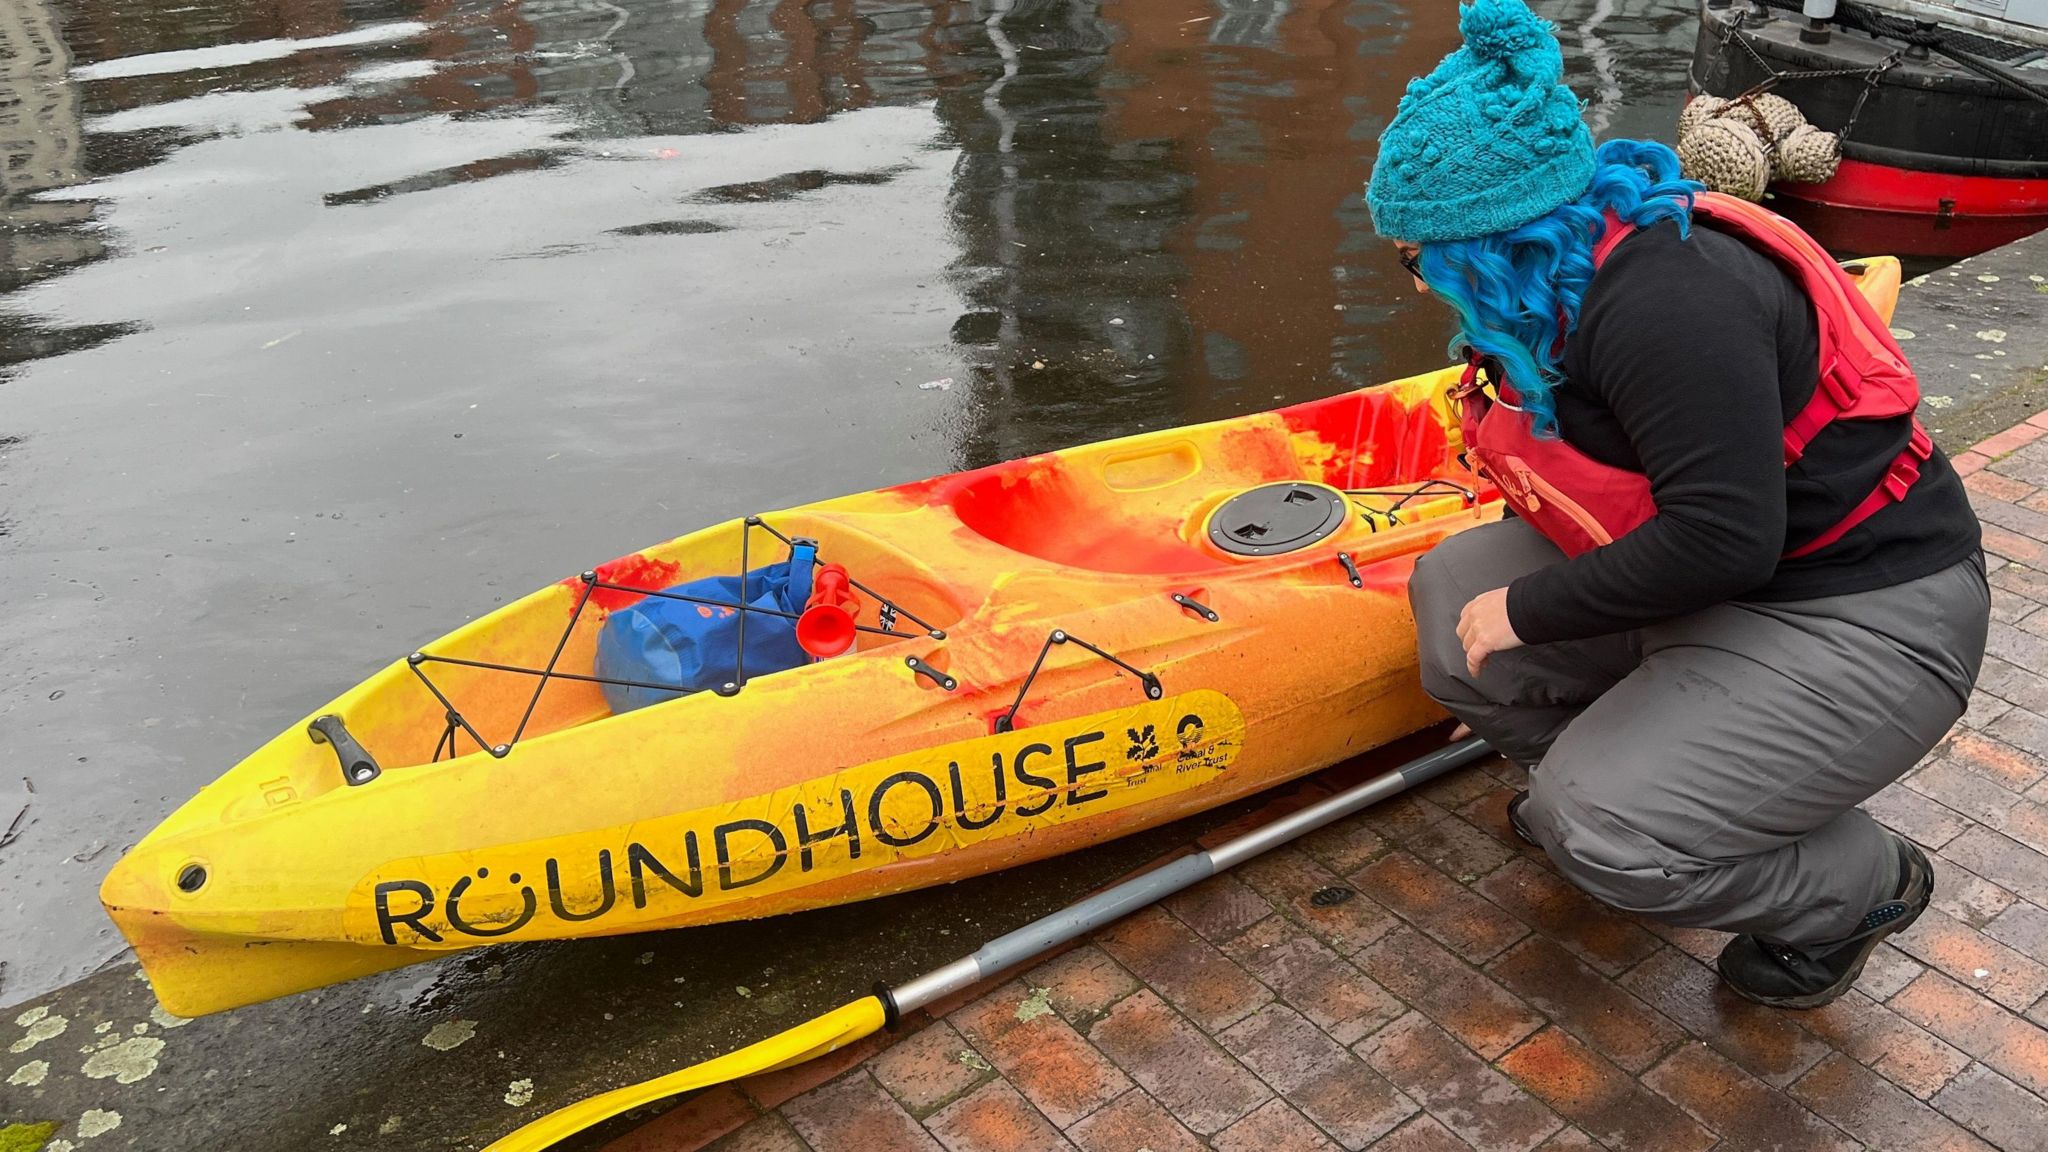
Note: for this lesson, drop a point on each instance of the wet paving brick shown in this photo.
(1586, 1004)
(1967, 896)
(1218, 908)
(2001, 860)
(1598, 935)
(928, 1069)
(1469, 1097)
(1997, 1109)
(1041, 1054)
(1313, 980)
(1875, 1111)
(1926, 822)
(767, 1134)
(1291, 879)
(1182, 1069)
(994, 1118)
(1350, 1102)
(1762, 1041)
(1470, 1005)
(1133, 1120)
(1274, 1127)
(854, 1112)
(1458, 918)
(1891, 1045)
(2013, 1046)
(1184, 968)
(1082, 983)
(1974, 959)
(698, 1121)
(1887, 971)
(1599, 1097)
(1458, 850)
(1746, 1113)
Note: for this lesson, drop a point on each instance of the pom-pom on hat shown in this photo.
(1489, 141)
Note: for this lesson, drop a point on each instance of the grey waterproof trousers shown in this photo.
(1706, 772)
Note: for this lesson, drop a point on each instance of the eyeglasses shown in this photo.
(1412, 261)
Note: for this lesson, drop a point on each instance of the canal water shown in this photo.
(328, 324)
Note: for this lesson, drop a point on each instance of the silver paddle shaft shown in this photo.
(1007, 951)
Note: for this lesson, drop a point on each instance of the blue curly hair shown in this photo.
(1517, 292)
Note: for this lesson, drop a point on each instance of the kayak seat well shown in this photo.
(1141, 505)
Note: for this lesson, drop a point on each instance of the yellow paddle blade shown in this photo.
(835, 1029)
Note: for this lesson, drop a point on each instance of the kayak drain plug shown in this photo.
(191, 878)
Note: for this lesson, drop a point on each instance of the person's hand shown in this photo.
(1484, 629)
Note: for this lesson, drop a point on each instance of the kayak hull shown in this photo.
(856, 776)
(199, 968)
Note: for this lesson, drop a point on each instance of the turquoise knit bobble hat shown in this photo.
(1489, 141)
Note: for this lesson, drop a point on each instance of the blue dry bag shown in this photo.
(692, 646)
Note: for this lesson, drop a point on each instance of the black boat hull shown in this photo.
(1939, 160)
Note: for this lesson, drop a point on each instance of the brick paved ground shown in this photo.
(1465, 997)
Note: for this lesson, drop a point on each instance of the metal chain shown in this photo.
(1869, 86)
(1871, 75)
(1735, 33)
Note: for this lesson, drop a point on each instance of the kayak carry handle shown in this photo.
(930, 673)
(357, 765)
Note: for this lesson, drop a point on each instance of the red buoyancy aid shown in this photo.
(1581, 504)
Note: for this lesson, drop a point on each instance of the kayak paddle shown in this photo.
(851, 1022)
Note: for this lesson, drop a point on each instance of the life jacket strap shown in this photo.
(1898, 480)
(1831, 398)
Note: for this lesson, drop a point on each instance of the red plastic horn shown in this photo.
(826, 627)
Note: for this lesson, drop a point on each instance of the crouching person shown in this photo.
(1740, 591)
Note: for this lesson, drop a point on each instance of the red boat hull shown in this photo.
(1869, 208)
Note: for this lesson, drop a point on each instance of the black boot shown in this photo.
(1515, 803)
(1785, 976)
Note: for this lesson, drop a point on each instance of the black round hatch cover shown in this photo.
(1276, 518)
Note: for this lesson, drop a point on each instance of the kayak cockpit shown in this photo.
(1149, 505)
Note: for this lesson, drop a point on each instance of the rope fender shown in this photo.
(1739, 146)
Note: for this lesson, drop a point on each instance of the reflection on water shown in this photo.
(326, 323)
(42, 147)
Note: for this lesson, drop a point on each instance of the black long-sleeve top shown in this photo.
(1690, 356)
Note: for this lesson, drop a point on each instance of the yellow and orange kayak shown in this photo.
(1057, 651)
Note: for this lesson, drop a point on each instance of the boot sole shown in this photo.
(1834, 991)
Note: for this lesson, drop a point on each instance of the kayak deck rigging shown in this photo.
(887, 612)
